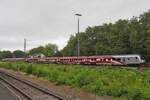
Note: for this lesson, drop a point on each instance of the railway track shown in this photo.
(26, 90)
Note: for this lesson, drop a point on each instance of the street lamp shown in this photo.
(78, 44)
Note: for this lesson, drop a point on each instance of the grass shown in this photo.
(125, 84)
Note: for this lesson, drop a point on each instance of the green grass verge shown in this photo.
(123, 83)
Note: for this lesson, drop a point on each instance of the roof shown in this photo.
(130, 55)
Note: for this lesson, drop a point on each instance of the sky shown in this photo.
(53, 21)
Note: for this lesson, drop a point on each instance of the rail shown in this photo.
(15, 81)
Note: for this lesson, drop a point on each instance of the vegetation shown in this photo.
(5, 54)
(48, 50)
(19, 54)
(9, 54)
(121, 83)
(122, 37)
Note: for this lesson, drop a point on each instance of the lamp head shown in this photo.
(78, 14)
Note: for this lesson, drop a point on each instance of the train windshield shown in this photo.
(142, 57)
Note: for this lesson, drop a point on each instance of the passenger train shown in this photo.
(134, 59)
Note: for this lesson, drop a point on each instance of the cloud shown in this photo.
(53, 21)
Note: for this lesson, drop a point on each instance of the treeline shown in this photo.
(122, 37)
(9, 54)
(48, 50)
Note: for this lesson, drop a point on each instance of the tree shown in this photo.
(6, 54)
(37, 50)
(123, 37)
(48, 50)
(1, 55)
(58, 54)
(18, 54)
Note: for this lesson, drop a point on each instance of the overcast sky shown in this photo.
(53, 21)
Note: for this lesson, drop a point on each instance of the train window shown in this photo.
(113, 59)
(109, 59)
(123, 59)
(142, 58)
(98, 59)
(118, 59)
(136, 57)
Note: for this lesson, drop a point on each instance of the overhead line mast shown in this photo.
(25, 44)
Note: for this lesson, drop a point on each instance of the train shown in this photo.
(122, 60)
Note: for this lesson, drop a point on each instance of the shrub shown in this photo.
(122, 83)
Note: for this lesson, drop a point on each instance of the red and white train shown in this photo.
(87, 60)
(93, 60)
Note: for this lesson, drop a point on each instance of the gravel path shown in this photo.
(5, 94)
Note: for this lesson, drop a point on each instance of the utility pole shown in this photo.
(78, 41)
(25, 44)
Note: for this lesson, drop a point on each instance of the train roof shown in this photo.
(129, 55)
(98, 56)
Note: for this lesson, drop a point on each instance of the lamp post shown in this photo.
(78, 44)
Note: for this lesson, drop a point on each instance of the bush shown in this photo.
(121, 83)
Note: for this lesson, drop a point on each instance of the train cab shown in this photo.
(130, 59)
